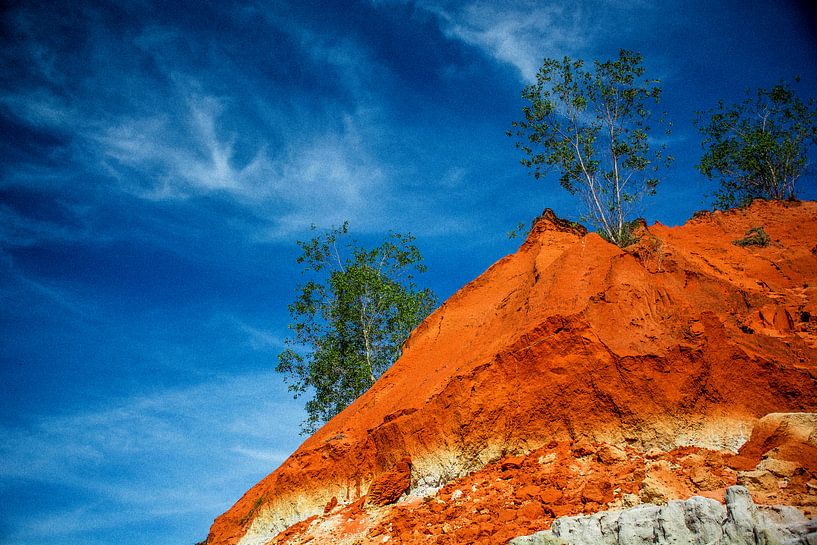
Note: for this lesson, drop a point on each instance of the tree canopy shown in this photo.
(593, 126)
(350, 318)
(757, 147)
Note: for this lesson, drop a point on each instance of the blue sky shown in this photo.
(159, 160)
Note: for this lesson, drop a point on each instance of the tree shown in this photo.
(757, 147)
(351, 318)
(592, 126)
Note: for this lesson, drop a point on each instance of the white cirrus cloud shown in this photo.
(517, 33)
(188, 449)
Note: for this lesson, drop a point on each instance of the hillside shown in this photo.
(572, 377)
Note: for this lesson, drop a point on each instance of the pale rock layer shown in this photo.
(696, 521)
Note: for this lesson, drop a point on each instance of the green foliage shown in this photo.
(756, 236)
(351, 318)
(627, 234)
(592, 126)
(519, 230)
(757, 147)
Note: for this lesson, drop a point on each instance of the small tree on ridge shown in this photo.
(351, 318)
(757, 147)
(592, 126)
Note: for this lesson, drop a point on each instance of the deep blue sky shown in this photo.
(159, 160)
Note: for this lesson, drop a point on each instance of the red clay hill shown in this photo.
(574, 376)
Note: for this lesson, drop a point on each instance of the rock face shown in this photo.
(389, 486)
(696, 521)
(570, 377)
(786, 447)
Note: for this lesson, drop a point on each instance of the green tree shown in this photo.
(757, 147)
(351, 318)
(592, 126)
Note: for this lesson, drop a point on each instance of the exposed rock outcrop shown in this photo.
(389, 486)
(610, 376)
(696, 521)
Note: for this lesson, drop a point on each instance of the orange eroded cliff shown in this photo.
(681, 341)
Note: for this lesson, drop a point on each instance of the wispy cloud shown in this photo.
(328, 179)
(523, 32)
(170, 133)
(166, 131)
(131, 456)
(258, 338)
(517, 33)
(178, 157)
(323, 177)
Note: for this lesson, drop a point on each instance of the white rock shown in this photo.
(696, 521)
